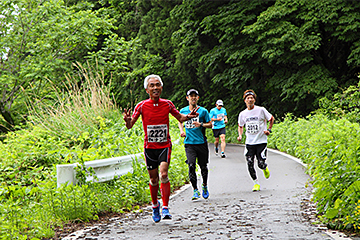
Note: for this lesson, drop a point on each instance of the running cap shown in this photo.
(192, 91)
(219, 102)
(146, 81)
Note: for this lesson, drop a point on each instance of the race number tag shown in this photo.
(252, 127)
(221, 115)
(157, 133)
(190, 123)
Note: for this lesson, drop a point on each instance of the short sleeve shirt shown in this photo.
(255, 122)
(195, 135)
(155, 118)
(215, 113)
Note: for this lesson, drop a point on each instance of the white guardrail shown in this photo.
(105, 169)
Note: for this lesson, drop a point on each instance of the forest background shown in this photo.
(292, 53)
(68, 67)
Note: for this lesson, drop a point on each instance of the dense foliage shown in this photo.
(291, 52)
(297, 55)
(328, 142)
(330, 148)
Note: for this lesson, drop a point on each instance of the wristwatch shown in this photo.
(269, 130)
(201, 124)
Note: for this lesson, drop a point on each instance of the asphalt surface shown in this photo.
(233, 210)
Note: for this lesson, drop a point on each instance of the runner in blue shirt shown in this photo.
(196, 145)
(218, 117)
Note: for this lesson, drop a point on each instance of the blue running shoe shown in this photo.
(166, 214)
(156, 213)
(196, 195)
(205, 192)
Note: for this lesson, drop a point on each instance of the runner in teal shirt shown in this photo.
(196, 146)
(218, 117)
(195, 135)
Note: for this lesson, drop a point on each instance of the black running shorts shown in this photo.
(199, 151)
(153, 157)
(258, 150)
(218, 132)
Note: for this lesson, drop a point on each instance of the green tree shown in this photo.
(192, 42)
(156, 55)
(311, 48)
(39, 40)
(233, 64)
(291, 53)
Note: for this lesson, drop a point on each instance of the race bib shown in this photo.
(157, 133)
(190, 123)
(253, 127)
(221, 115)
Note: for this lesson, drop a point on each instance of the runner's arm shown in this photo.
(272, 119)
(181, 128)
(205, 125)
(267, 132)
(208, 124)
(182, 117)
(240, 131)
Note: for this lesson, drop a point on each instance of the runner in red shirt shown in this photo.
(157, 144)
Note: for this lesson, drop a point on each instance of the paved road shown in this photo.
(232, 211)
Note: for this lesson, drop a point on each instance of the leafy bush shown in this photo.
(343, 104)
(331, 150)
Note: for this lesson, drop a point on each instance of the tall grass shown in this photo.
(75, 104)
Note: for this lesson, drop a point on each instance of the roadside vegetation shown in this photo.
(67, 68)
(80, 124)
(328, 141)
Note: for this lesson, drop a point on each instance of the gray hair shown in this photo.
(146, 81)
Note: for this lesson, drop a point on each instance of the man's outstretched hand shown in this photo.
(127, 114)
(193, 113)
(127, 118)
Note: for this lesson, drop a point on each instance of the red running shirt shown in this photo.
(155, 118)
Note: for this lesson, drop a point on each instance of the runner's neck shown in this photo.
(191, 107)
(251, 107)
(156, 99)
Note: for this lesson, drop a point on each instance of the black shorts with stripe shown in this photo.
(153, 157)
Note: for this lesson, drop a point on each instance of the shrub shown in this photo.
(331, 150)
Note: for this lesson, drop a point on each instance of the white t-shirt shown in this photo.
(255, 121)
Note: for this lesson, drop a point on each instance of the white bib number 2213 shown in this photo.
(157, 133)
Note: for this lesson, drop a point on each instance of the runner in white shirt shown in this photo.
(255, 118)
